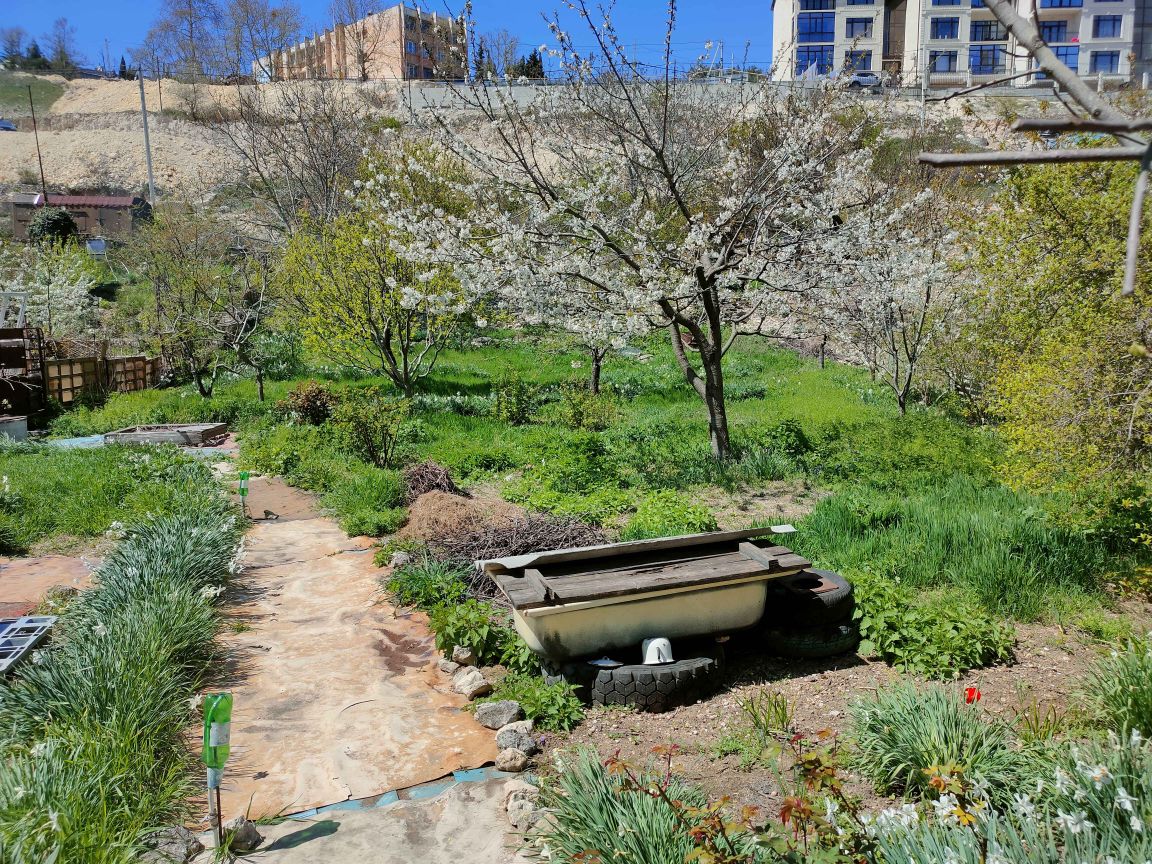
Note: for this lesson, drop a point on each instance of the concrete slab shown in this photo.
(464, 824)
(23, 581)
(337, 695)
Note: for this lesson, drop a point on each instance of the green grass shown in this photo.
(993, 546)
(14, 94)
(92, 732)
(53, 491)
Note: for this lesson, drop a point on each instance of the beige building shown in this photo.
(398, 43)
(954, 41)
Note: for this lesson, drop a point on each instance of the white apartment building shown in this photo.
(954, 40)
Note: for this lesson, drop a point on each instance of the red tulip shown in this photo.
(971, 695)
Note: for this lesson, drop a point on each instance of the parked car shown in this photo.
(860, 80)
(7, 126)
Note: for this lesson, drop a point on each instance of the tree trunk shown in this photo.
(712, 363)
(597, 363)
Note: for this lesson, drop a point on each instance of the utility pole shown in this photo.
(147, 143)
(39, 158)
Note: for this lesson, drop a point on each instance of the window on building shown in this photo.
(977, 4)
(988, 31)
(1106, 26)
(1069, 55)
(815, 27)
(945, 28)
(820, 55)
(410, 46)
(861, 2)
(428, 73)
(942, 61)
(858, 28)
(987, 59)
(1054, 31)
(409, 23)
(858, 61)
(816, 5)
(945, 2)
(413, 71)
(439, 56)
(1104, 61)
(1061, 4)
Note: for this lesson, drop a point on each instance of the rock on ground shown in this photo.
(517, 736)
(463, 655)
(471, 683)
(175, 845)
(496, 715)
(242, 834)
(511, 760)
(448, 666)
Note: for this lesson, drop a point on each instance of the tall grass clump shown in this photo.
(902, 732)
(595, 815)
(92, 730)
(1120, 688)
(999, 547)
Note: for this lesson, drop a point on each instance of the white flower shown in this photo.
(1023, 806)
(944, 808)
(1124, 801)
(1135, 824)
(1073, 823)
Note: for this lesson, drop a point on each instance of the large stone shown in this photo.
(242, 835)
(175, 845)
(463, 655)
(449, 667)
(471, 683)
(512, 760)
(520, 805)
(517, 736)
(399, 559)
(496, 715)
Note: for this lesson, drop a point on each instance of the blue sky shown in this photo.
(639, 22)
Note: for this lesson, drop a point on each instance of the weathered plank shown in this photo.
(774, 558)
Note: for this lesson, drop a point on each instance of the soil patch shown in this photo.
(1050, 668)
(24, 581)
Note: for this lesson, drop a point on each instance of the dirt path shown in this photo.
(24, 581)
(336, 692)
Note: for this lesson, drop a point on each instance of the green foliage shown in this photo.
(368, 425)
(374, 523)
(592, 810)
(903, 735)
(579, 408)
(52, 225)
(1120, 688)
(788, 437)
(766, 717)
(550, 707)
(516, 400)
(471, 624)
(999, 548)
(665, 514)
(310, 402)
(426, 584)
(52, 491)
(93, 735)
(936, 637)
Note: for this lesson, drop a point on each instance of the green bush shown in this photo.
(309, 402)
(999, 548)
(550, 707)
(516, 400)
(938, 638)
(373, 523)
(52, 225)
(902, 732)
(426, 584)
(788, 437)
(579, 408)
(471, 624)
(665, 514)
(368, 425)
(1120, 688)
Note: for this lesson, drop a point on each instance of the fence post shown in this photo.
(1144, 81)
(1099, 82)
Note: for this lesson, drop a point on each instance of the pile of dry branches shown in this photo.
(429, 476)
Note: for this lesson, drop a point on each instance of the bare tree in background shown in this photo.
(12, 45)
(500, 51)
(361, 37)
(300, 143)
(61, 41)
(185, 37)
(257, 31)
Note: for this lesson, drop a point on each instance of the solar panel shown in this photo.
(18, 636)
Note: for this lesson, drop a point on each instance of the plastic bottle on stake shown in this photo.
(217, 732)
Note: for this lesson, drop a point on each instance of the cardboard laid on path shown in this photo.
(23, 581)
(337, 695)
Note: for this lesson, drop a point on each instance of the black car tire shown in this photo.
(811, 642)
(657, 688)
(790, 605)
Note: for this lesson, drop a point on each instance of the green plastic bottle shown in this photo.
(217, 732)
